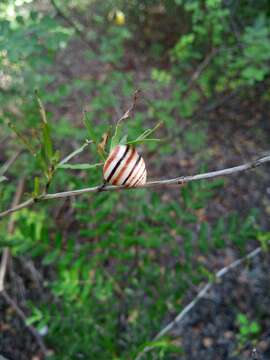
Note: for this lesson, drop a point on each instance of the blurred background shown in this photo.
(98, 276)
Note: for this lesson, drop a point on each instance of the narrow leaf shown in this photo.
(47, 142)
(124, 141)
(74, 153)
(140, 141)
(41, 108)
(46, 133)
(36, 187)
(79, 166)
(116, 137)
(147, 132)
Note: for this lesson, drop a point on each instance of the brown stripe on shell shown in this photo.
(111, 157)
(139, 181)
(132, 170)
(118, 164)
(137, 174)
(124, 167)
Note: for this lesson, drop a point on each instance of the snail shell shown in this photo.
(124, 166)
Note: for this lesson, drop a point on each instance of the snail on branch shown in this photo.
(124, 166)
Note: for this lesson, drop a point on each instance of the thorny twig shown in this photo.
(179, 318)
(167, 182)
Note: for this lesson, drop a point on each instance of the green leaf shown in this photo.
(79, 166)
(143, 140)
(47, 147)
(143, 137)
(254, 328)
(36, 186)
(160, 344)
(124, 141)
(41, 108)
(36, 316)
(116, 137)
(47, 142)
(242, 319)
(74, 153)
(2, 178)
(244, 330)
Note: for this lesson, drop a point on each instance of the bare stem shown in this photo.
(167, 182)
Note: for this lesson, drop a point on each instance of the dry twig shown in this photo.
(129, 111)
(179, 318)
(167, 182)
(22, 316)
(5, 254)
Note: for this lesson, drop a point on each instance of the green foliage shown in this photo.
(249, 331)
(104, 268)
(29, 41)
(120, 264)
(215, 55)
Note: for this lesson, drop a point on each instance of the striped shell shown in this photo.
(124, 166)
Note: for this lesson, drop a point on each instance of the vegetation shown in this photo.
(248, 330)
(116, 266)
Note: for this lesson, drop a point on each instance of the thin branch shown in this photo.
(129, 111)
(178, 319)
(10, 229)
(3, 268)
(73, 24)
(9, 162)
(167, 182)
(23, 205)
(22, 316)
(201, 67)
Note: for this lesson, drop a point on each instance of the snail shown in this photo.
(124, 166)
